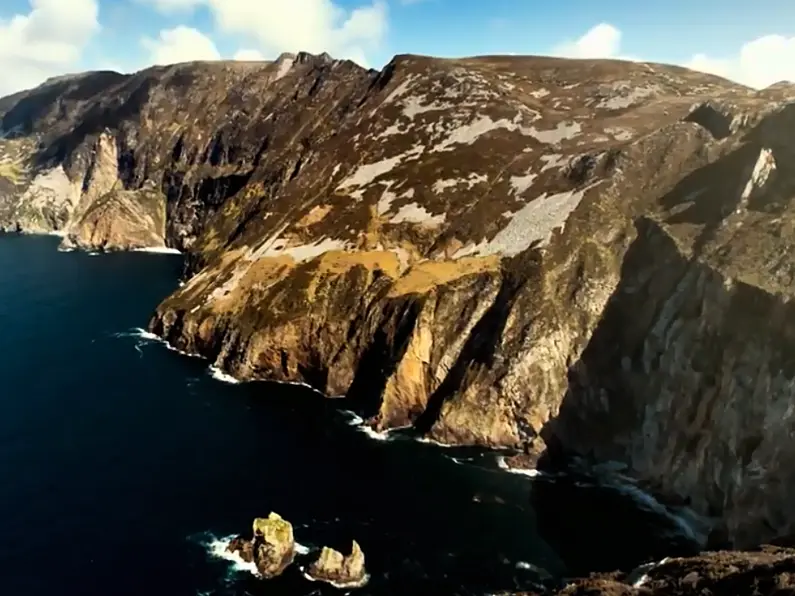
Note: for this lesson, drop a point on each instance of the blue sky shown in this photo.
(130, 34)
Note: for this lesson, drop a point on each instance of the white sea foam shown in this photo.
(525, 565)
(647, 501)
(219, 375)
(223, 376)
(640, 576)
(391, 434)
(341, 585)
(686, 522)
(531, 472)
(303, 385)
(359, 424)
(142, 334)
(374, 434)
(435, 443)
(160, 250)
(353, 418)
(144, 337)
(218, 549)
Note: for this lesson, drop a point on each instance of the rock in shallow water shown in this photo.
(335, 568)
(243, 548)
(272, 549)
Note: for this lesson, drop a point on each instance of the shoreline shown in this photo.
(161, 250)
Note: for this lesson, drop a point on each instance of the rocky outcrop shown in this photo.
(769, 571)
(121, 220)
(272, 548)
(553, 255)
(339, 570)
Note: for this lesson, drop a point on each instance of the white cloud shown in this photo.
(601, 41)
(276, 26)
(758, 63)
(47, 41)
(173, 6)
(180, 44)
(248, 55)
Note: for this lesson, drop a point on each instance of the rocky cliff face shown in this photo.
(591, 256)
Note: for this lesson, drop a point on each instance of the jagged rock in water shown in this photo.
(342, 571)
(243, 548)
(272, 548)
(593, 256)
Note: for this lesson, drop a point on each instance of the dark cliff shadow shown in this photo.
(660, 282)
(616, 362)
(582, 425)
(716, 121)
(594, 527)
(601, 412)
(382, 355)
(598, 528)
(710, 194)
(98, 117)
(56, 97)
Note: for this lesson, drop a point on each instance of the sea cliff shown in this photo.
(558, 256)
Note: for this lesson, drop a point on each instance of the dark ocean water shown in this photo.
(121, 462)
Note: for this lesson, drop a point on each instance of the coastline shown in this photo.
(622, 483)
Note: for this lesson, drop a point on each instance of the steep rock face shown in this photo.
(414, 264)
(195, 131)
(587, 255)
(121, 219)
(688, 377)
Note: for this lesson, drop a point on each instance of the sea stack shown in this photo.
(272, 549)
(337, 569)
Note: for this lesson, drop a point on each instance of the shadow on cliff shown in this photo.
(602, 415)
(594, 527)
(572, 510)
(482, 342)
(382, 356)
(30, 107)
(598, 416)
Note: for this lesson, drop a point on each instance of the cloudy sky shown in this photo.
(750, 41)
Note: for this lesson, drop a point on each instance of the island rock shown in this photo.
(341, 571)
(272, 548)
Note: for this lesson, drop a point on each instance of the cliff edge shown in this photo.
(574, 256)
